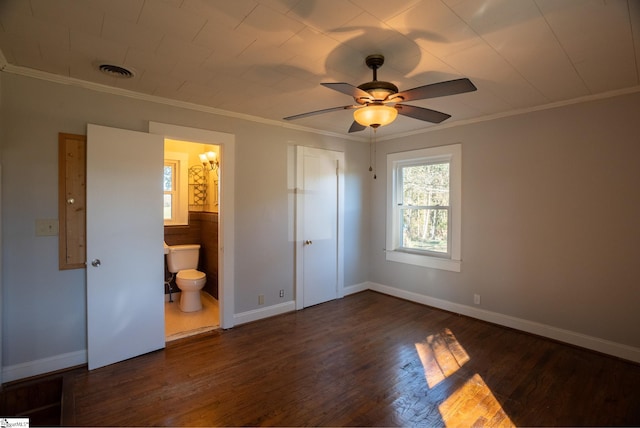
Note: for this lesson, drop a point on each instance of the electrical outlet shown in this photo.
(281, 293)
(261, 299)
(476, 299)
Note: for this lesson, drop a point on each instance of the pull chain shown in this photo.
(372, 152)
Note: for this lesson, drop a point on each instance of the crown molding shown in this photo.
(98, 87)
(66, 80)
(501, 115)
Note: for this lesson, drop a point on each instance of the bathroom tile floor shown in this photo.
(178, 324)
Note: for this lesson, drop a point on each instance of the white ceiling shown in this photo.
(267, 58)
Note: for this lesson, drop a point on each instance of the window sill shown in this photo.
(424, 261)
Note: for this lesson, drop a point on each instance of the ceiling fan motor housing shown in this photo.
(378, 89)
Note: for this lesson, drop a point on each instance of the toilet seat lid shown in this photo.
(191, 274)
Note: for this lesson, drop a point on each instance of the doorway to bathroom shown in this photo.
(121, 328)
(191, 216)
(226, 202)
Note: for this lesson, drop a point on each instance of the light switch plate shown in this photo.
(46, 227)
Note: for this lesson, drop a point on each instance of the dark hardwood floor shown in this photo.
(365, 360)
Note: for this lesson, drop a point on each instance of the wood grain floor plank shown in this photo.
(364, 360)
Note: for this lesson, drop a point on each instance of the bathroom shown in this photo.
(191, 190)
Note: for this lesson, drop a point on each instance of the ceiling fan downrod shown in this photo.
(374, 62)
(378, 89)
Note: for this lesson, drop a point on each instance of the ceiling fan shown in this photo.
(378, 102)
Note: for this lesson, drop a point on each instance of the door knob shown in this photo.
(95, 262)
(307, 242)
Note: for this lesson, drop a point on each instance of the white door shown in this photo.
(125, 258)
(319, 236)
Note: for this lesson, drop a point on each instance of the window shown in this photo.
(423, 202)
(170, 191)
(175, 187)
(423, 207)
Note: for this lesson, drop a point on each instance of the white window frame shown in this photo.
(452, 154)
(174, 189)
(181, 195)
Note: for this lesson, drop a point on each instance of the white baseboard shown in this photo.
(71, 359)
(567, 336)
(356, 288)
(269, 311)
(45, 365)
(282, 308)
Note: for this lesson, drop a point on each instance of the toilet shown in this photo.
(183, 261)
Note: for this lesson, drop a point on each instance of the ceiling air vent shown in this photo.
(116, 71)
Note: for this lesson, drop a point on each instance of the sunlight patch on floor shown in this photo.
(441, 356)
(474, 404)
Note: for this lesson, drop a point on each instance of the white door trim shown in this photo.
(299, 238)
(226, 210)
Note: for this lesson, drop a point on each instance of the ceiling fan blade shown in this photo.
(422, 113)
(355, 127)
(313, 113)
(441, 89)
(348, 89)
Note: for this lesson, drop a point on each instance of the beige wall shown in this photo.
(44, 309)
(550, 208)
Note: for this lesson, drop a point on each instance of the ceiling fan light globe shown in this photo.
(375, 115)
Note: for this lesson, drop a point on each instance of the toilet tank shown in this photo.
(181, 257)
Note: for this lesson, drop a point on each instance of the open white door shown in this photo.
(125, 293)
(320, 183)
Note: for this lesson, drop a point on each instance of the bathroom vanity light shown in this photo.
(209, 160)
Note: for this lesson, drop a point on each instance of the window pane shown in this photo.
(425, 229)
(167, 207)
(426, 185)
(168, 178)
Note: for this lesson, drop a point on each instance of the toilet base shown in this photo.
(190, 301)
